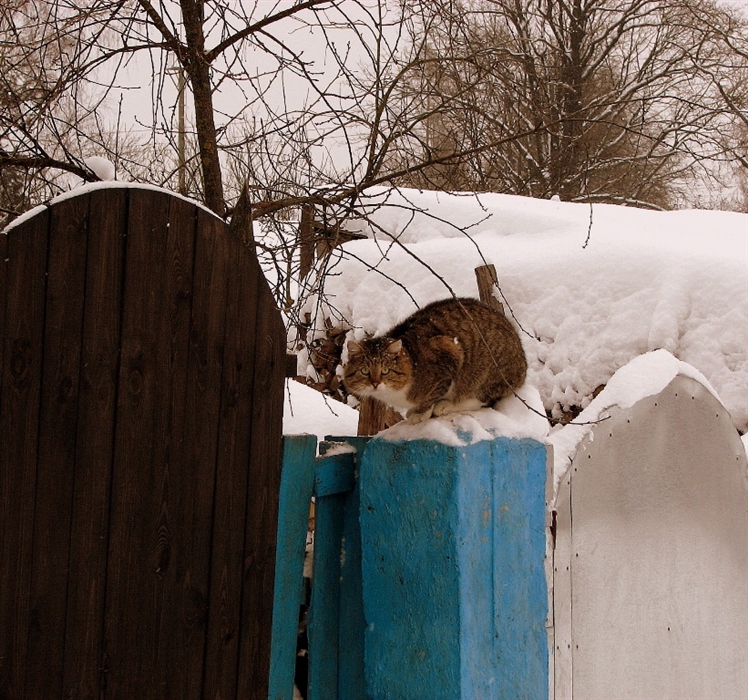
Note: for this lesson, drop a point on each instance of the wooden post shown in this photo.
(306, 240)
(488, 284)
(375, 416)
(297, 483)
(371, 416)
(454, 585)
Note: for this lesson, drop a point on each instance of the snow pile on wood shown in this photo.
(591, 287)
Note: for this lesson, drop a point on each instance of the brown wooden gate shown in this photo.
(141, 382)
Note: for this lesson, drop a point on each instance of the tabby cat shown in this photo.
(452, 355)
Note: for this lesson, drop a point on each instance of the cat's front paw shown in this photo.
(441, 408)
(414, 417)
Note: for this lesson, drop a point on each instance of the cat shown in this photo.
(452, 355)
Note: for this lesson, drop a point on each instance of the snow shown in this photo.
(339, 448)
(101, 167)
(592, 288)
(510, 417)
(646, 375)
(92, 187)
(307, 411)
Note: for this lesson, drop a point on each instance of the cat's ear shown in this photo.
(354, 348)
(395, 347)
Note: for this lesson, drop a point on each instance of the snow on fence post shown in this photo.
(453, 547)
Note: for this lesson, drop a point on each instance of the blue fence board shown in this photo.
(297, 478)
(336, 621)
(455, 596)
(444, 594)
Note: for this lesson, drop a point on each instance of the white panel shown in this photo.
(562, 594)
(659, 560)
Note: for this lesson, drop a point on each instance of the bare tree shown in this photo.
(292, 104)
(303, 105)
(296, 95)
(614, 101)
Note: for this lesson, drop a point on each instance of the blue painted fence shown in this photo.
(428, 570)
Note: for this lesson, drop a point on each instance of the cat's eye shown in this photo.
(386, 370)
(365, 371)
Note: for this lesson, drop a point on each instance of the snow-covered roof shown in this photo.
(592, 287)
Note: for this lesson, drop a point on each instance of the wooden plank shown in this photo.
(191, 490)
(227, 560)
(22, 338)
(324, 609)
(297, 479)
(150, 390)
(562, 594)
(335, 474)
(352, 625)
(57, 442)
(336, 619)
(194, 320)
(95, 444)
(263, 490)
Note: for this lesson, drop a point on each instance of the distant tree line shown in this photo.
(627, 101)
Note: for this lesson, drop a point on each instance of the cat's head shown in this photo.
(376, 365)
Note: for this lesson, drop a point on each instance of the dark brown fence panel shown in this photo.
(142, 377)
(55, 468)
(264, 485)
(23, 333)
(231, 482)
(89, 536)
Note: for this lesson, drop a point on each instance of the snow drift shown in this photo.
(590, 287)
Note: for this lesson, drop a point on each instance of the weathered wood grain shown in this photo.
(89, 535)
(141, 381)
(22, 340)
(63, 324)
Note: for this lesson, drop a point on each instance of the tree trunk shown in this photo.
(198, 70)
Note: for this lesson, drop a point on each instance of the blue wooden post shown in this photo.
(453, 546)
(297, 479)
(336, 618)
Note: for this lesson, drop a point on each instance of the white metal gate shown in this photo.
(651, 557)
